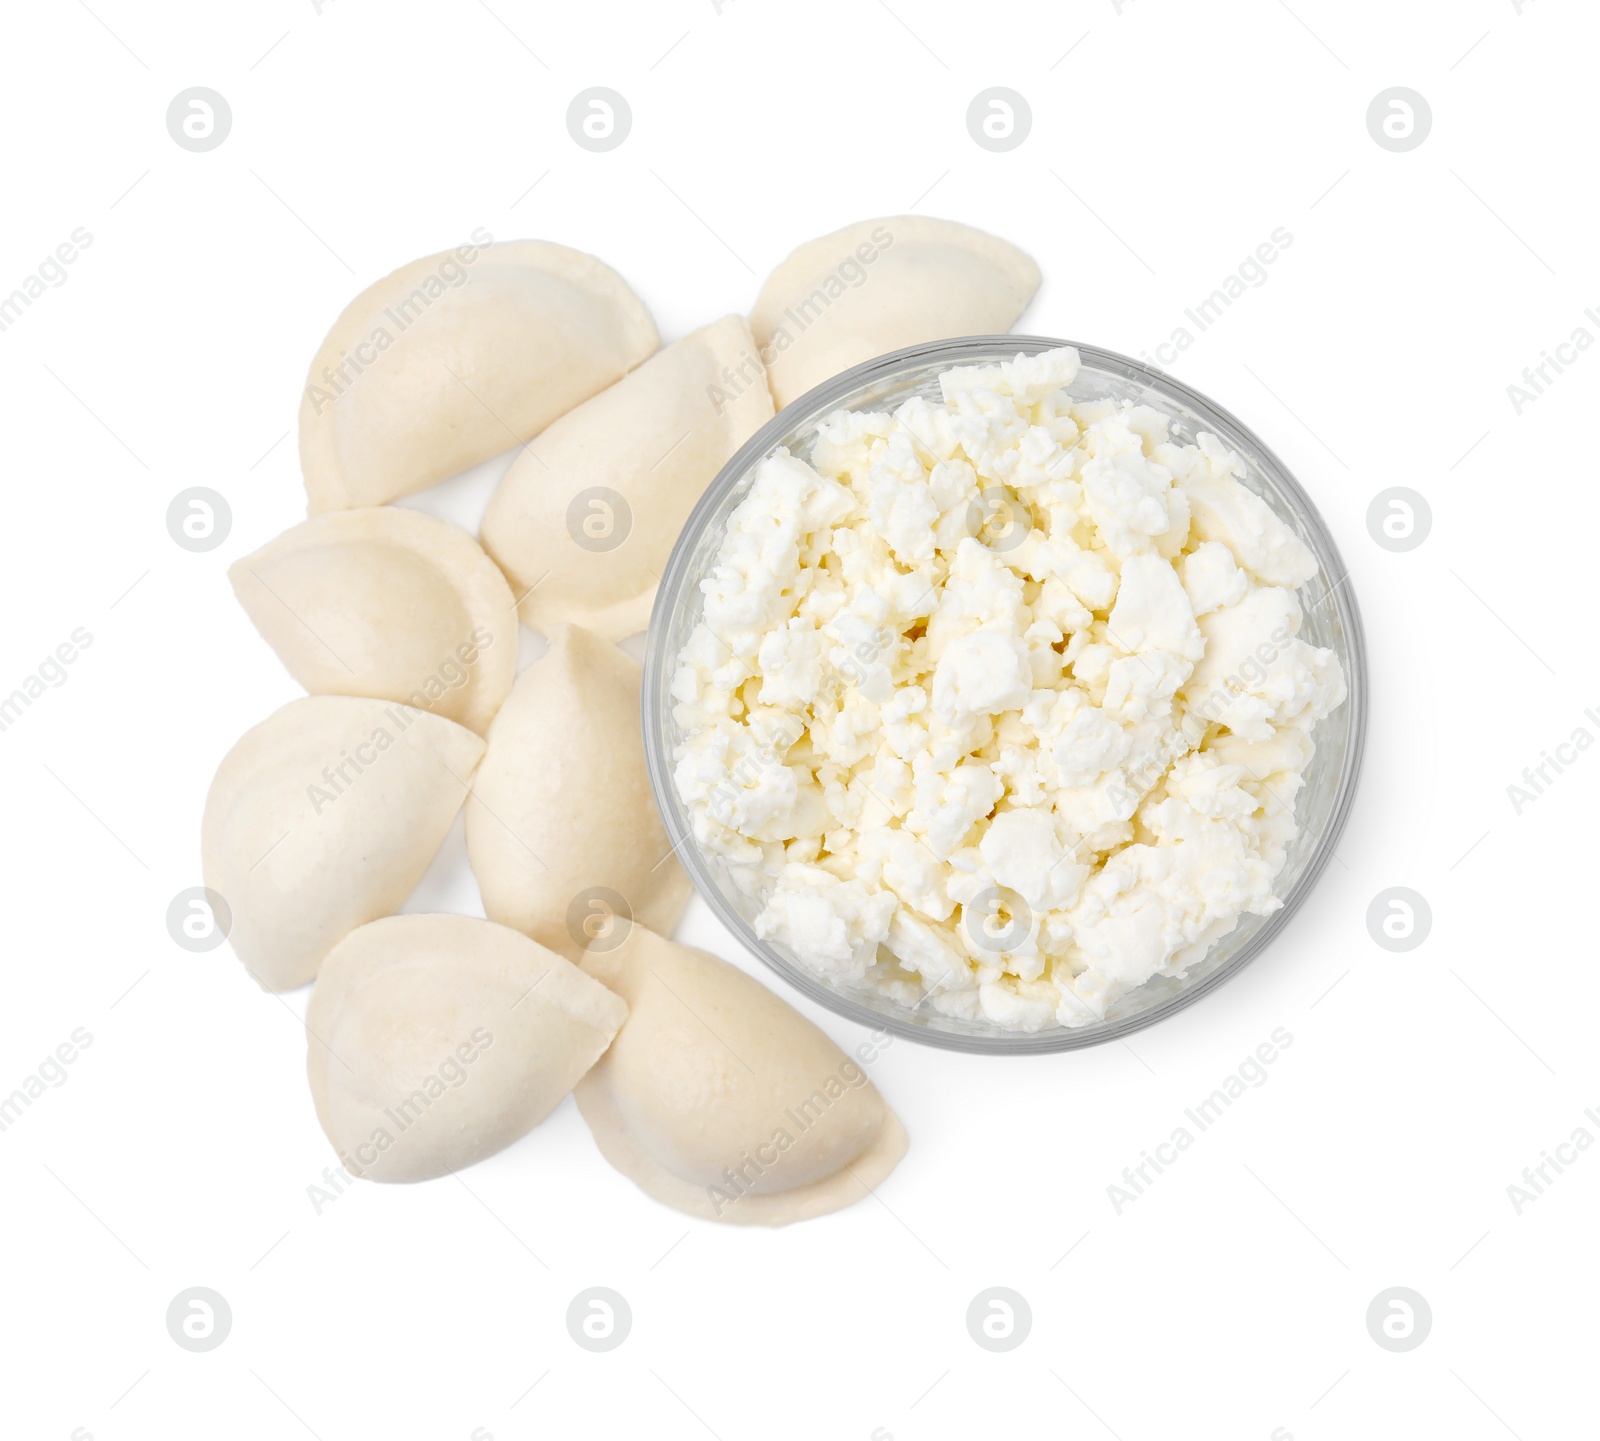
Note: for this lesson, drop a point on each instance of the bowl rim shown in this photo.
(844, 388)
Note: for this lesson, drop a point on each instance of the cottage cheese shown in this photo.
(997, 705)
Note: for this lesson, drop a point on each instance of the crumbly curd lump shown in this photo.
(997, 704)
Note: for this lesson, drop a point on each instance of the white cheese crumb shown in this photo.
(998, 704)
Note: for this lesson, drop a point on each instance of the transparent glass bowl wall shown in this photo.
(1331, 620)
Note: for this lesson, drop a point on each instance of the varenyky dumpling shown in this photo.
(562, 831)
(722, 1100)
(457, 357)
(389, 603)
(434, 1041)
(586, 517)
(324, 817)
(881, 285)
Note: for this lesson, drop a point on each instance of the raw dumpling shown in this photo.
(323, 818)
(585, 519)
(881, 285)
(434, 1041)
(457, 357)
(562, 831)
(721, 1100)
(388, 603)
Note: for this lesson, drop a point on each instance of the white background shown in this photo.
(1230, 1299)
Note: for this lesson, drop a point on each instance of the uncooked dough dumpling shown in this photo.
(562, 830)
(389, 603)
(720, 1099)
(457, 357)
(323, 818)
(434, 1041)
(585, 519)
(881, 285)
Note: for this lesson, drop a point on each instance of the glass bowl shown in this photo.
(1331, 620)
